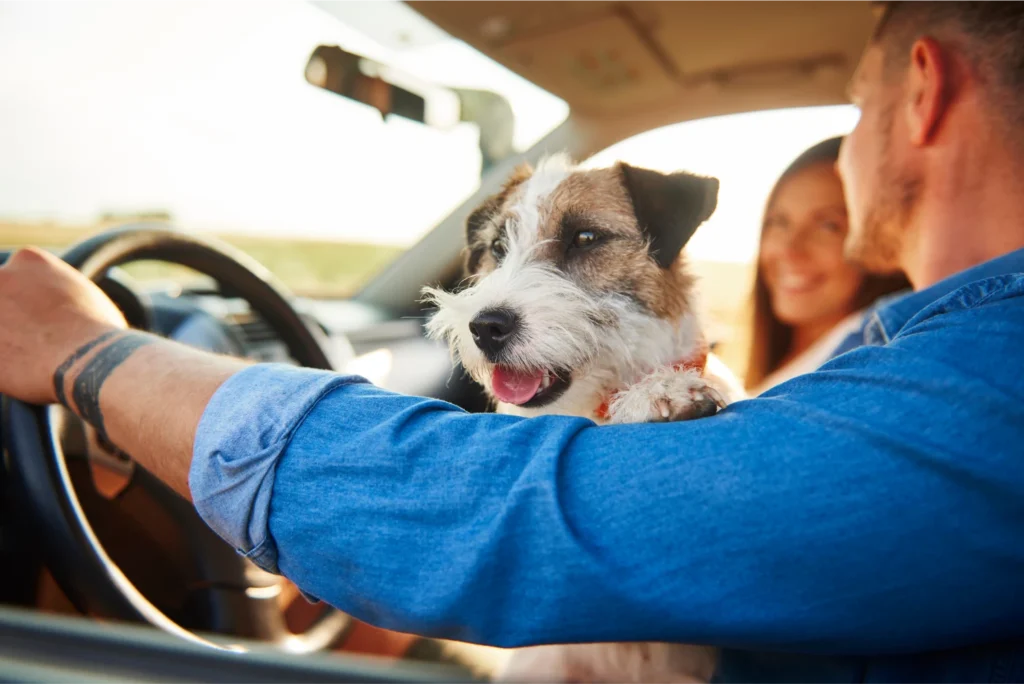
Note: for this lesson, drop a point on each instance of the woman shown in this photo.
(807, 297)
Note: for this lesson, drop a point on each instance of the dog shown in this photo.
(578, 302)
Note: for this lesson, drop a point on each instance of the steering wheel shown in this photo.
(196, 581)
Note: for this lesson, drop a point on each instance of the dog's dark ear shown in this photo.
(482, 215)
(669, 207)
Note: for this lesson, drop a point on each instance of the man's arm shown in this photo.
(151, 401)
(876, 506)
(145, 393)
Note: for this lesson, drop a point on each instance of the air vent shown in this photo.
(255, 331)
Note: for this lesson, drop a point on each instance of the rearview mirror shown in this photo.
(340, 72)
(363, 80)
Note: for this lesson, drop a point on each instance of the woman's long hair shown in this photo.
(770, 338)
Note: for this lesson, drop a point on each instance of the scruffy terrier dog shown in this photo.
(578, 303)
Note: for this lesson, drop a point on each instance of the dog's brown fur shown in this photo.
(597, 197)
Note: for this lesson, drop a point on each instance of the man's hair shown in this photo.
(989, 35)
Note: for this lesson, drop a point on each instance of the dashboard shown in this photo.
(392, 352)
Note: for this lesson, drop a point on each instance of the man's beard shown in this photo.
(877, 244)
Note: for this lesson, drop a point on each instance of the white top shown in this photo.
(815, 355)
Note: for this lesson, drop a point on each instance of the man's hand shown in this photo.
(47, 311)
(144, 393)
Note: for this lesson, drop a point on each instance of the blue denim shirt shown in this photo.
(864, 522)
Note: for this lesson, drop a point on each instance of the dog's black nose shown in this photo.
(492, 330)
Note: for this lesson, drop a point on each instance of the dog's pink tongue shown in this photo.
(514, 387)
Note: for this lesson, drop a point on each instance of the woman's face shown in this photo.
(802, 262)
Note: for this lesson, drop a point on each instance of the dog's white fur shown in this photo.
(560, 332)
(607, 340)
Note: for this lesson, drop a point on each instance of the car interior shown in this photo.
(110, 575)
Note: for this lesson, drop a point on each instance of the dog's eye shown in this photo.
(499, 248)
(584, 238)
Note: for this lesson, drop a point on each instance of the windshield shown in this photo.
(199, 113)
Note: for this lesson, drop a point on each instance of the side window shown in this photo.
(746, 152)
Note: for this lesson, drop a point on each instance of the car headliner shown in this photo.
(629, 67)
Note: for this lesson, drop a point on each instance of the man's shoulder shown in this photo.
(979, 293)
(968, 338)
(996, 298)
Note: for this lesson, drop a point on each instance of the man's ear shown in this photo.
(928, 90)
(669, 207)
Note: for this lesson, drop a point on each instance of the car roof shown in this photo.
(646, 64)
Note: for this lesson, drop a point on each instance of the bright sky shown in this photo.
(201, 109)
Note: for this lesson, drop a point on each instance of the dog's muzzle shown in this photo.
(493, 330)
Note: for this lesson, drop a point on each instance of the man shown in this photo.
(869, 516)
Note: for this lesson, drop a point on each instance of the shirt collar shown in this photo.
(891, 313)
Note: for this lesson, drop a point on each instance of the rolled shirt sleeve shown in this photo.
(232, 478)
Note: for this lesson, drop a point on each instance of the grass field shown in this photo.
(316, 268)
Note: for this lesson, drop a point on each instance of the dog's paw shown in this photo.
(666, 395)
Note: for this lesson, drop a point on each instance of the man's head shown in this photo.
(934, 78)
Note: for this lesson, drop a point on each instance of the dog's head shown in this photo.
(575, 283)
